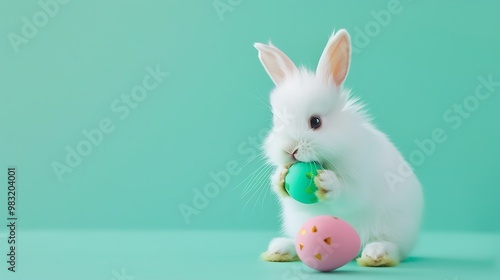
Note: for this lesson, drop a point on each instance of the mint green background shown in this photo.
(426, 59)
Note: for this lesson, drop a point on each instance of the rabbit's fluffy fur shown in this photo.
(365, 180)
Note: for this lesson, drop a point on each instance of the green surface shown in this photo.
(199, 128)
(299, 181)
(151, 255)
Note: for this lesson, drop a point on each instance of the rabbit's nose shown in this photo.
(294, 153)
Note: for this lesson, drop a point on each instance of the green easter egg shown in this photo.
(299, 181)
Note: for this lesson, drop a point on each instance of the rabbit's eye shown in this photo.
(314, 122)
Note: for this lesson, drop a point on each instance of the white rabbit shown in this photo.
(315, 119)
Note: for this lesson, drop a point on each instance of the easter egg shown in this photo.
(299, 181)
(326, 243)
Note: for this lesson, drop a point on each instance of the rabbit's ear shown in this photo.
(335, 60)
(278, 66)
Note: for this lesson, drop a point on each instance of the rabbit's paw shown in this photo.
(278, 180)
(327, 183)
(379, 254)
(280, 250)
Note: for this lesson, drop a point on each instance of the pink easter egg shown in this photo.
(326, 243)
